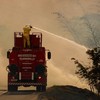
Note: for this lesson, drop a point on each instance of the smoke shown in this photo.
(17, 14)
(61, 70)
(3, 72)
(57, 77)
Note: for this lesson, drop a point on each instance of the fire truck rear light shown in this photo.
(39, 77)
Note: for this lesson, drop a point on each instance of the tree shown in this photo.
(90, 73)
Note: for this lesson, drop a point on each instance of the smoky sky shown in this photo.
(15, 14)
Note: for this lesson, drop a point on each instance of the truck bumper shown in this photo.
(26, 84)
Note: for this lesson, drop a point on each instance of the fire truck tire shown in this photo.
(38, 88)
(41, 88)
(12, 88)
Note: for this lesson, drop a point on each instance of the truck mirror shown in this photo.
(49, 55)
(8, 53)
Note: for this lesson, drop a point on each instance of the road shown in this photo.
(20, 95)
(67, 92)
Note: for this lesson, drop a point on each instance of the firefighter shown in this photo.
(26, 34)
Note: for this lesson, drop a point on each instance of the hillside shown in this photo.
(68, 93)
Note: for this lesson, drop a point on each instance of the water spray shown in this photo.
(58, 36)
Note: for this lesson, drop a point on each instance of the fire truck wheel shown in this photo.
(12, 88)
(41, 88)
(38, 88)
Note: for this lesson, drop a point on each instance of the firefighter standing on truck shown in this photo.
(26, 34)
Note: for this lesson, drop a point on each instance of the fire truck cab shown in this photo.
(27, 66)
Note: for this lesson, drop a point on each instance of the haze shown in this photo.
(14, 14)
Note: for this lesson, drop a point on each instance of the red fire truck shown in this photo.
(27, 66)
